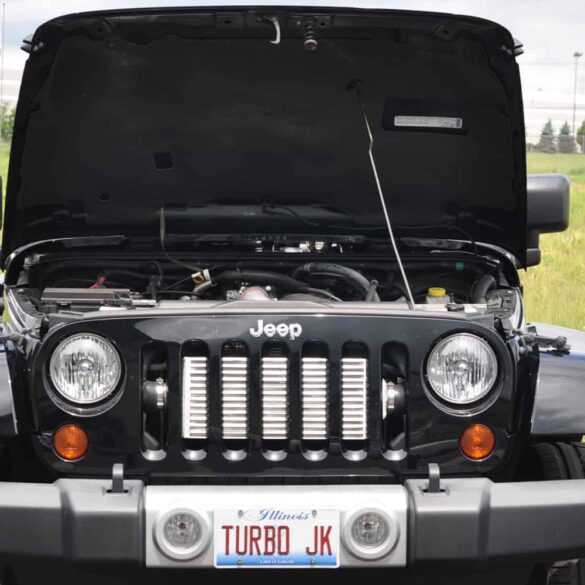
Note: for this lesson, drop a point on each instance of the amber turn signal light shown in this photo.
(71, 442)
(477, 442)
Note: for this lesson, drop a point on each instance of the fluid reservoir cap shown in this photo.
(436, 291)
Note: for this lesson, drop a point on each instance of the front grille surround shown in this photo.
(386, 341)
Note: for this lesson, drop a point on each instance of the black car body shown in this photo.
(194, 200)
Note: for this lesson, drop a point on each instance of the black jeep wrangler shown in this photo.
(262, 304)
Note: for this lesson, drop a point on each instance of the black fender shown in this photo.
(559, 402)
(8, 420)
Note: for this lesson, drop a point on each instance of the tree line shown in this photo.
(564, 142)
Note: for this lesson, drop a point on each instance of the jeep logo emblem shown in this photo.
(293, 330)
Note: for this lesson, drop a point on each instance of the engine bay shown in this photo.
(306, 272)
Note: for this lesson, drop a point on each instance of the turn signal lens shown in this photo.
(70, 442)
(477, 442)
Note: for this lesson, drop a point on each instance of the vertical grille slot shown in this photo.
(274, 398)
(314, 394)
(195, 400)
(354, 398)
(234, 392)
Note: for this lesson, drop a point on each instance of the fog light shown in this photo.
(369, 530)
(370, 533)
(182, 531)
(181, 534)
(70, 442)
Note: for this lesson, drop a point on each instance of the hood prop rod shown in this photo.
(355, 86)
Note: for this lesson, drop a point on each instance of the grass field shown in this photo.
(4, 152)
(555, 290)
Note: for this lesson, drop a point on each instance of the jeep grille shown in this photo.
(276, 392)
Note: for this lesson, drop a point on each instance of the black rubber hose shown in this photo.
(481, 287)
(348, 274)
(253, 277)
(356, 286)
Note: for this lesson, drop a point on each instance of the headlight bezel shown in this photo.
(87, 408)
(463, 407)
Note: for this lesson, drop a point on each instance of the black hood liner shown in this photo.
(122, 113)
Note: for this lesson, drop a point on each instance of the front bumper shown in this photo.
(471, 520)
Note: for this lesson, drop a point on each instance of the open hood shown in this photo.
(228, 121)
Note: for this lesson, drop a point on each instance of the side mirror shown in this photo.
(547, 210)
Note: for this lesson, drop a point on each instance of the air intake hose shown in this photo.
(481, 287)
(350, 276)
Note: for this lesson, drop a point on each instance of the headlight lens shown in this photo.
(462, 368)
(85, 368)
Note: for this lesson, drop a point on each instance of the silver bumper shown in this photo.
(472, 520)
(348, 499)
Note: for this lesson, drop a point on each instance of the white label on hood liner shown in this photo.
(428, 122)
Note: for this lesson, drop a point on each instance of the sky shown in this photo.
(551, 31)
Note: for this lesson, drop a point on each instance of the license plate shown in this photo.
(276, 538)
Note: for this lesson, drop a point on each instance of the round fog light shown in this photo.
(181, 534)
(370, 534)
(369, 530)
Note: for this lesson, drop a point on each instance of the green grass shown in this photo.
(555, 290)
(4, 153)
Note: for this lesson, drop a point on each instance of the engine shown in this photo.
(56, 287)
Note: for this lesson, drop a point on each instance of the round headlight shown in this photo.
(85, 368)
(462, 368)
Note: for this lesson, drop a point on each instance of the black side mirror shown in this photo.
(547, 212)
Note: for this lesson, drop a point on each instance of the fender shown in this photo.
(8, 422)
(559, 402)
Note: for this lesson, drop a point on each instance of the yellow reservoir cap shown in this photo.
(436, 291)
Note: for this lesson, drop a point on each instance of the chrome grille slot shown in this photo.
(234, 395)
(263, 403)
(354, 393)
(195, 401)
(274, 398)
(314, 393)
